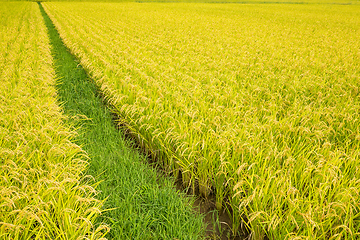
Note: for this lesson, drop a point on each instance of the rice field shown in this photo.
(257, 105)
(44, 193)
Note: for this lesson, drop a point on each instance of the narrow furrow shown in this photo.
(141, 204)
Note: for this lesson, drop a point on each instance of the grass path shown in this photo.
(144, 206)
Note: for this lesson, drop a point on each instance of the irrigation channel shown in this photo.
(141, 203)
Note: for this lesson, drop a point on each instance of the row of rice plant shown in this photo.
(43, 191)
(256, 104)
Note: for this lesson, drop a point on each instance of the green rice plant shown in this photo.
(140, 203)
(257, 105)
(43, 191)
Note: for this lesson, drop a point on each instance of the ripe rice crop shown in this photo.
(256, 104)
(42, 190)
